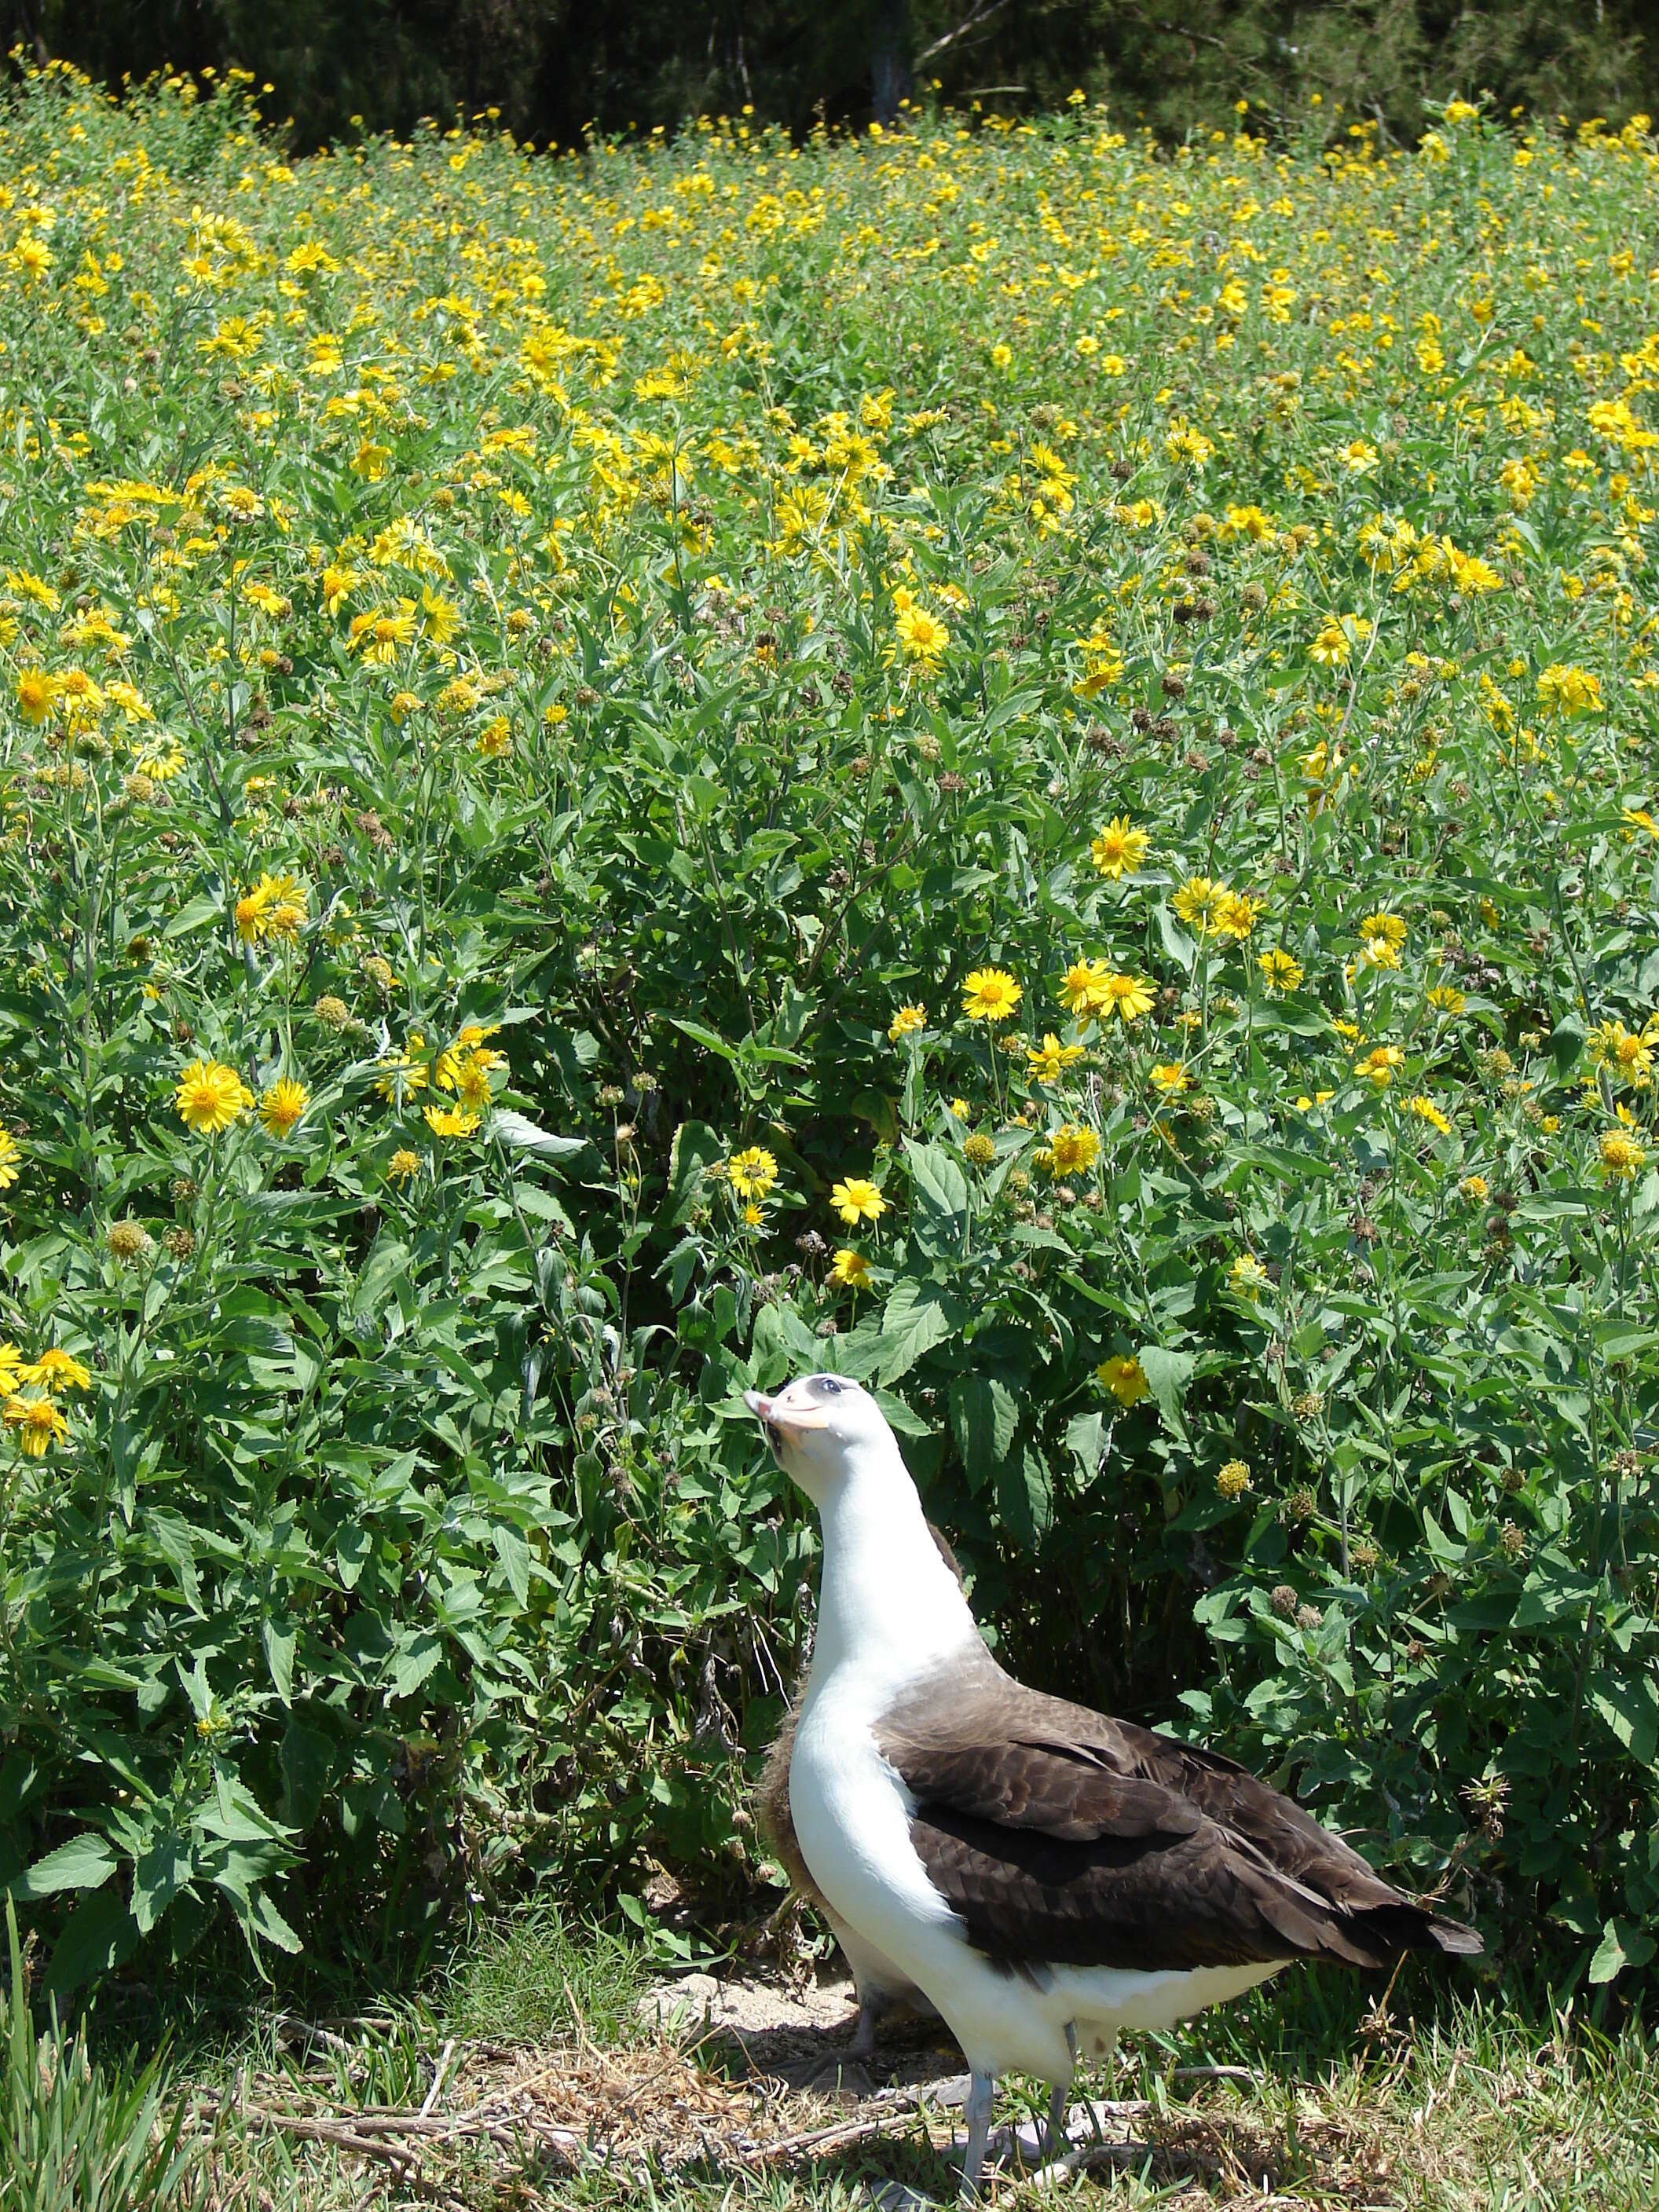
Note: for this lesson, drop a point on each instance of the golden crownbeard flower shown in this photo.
(251, 922)
(978, 1150)
(1237, 916)
(283, 1104)
(1427, 1110)
(857, 1199)
(1376, 952)
(1233, 1479)
(1638, 818)
(906, 1022)
(1047, 1063)
(1378, 1065)
(752, 1171)
(450, 1121)
(38, 1423)
(403, 1164)
(11, 1369)
(10, 1155)
(1118, 847)
(55, 1370)
(990, 994)
(1127, 997)
(1330, 647)
(1384, 925)
(1083, 987)
(210, 1097)
(922, 637)
(1446, 999)
(284, 900)
(1563, 690)
(1281, 971)
(127, 1240)
(850, 1268)
(1197, 899)
(1622, 1156)
(754, 1213)
(1125, 1377)
(1475, 1188)
(37, 694)
(1171, 1077)
(1247, 1275)
(1070, 1151)
(404, 1073)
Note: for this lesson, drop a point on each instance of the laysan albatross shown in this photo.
(1043, 1875)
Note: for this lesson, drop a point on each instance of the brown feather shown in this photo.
(1065, 1838)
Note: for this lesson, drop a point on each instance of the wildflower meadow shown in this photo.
(984, 755)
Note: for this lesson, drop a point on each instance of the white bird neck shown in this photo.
(890, 1609)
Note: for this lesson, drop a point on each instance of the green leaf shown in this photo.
(278, 1637)
(1168, 1373)
(197, 915)
(86, 1861)
(983, 1416)
(1631, 1710)
(525, 1136)
(161, 1873)
(1622, 1946)
(916, 1317)
(513, 1554)
(1025, 1495)
(938, 1192)
(416, 1657)
(97, 1937)
(308, 1760)
(710, 1039)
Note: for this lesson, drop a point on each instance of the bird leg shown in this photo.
(1059, 2097)
(873, 2004)
(981, 2092)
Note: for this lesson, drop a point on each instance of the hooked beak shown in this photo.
(785, 1420)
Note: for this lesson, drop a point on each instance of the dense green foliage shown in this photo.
(555, 69)
(532, 692)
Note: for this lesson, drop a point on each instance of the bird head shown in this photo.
(819, 1426)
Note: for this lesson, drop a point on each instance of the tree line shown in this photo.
(551, 71)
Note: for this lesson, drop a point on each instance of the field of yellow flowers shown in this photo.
(1016, 764)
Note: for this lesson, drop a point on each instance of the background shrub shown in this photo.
(552, 659)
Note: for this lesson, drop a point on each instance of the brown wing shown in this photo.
(1061, 1835)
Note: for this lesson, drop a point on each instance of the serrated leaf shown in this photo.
(526, 1136)
(1631, 1710)
(86, 1861)
(278, 1637)
(983, 1417)
(1168, 1373)
(916, 1317)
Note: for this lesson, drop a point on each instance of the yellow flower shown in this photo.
(1171, 1077)
(1446, 999)
(55, 1370)
(10, 1155)
(251, 915)
(905, 1021)
(1379, 1063)
(1047, 1063)
(1233, 1479)
(923, 636)
(1126, 996)
(11, 1369)
(1330, 647)
(1563, 689)
(754, 1213)
(1621, 1156)
(1237, 914)
(37, 694)
(1474, 1188)
(38, 1424)
(961, 1108)
(1083, 988)
(1071, 1150)
(1377, 952)
(282, 1105)
(850, 1268)
(752, 1171)
(990, 994)
(210, 1097)
(1389, 926)
(1247, 1275)
(1639, 818)
(1125, 1377)
(1281, 971)
(1197, 899)
(1118, 847)
(403, 1073)
(1427, 1110)
(450, 1122)
(403, 1164)
(857, 1199)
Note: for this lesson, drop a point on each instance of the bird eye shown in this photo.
(828, 1384)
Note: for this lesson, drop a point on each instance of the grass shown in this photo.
(1332, 2099)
